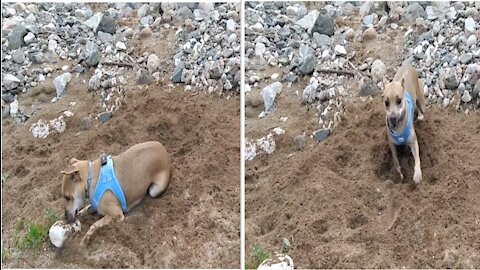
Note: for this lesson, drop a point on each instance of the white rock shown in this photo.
(257, 27)
(340, 50)
(472, 40)
(466, 97)
(52, 44)
(231, 25)
(40, 129)
(14, 108)
(470, 25)
(60, 230)
(121, 46)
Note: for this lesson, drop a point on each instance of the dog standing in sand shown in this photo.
(113, 191)
(403, 96)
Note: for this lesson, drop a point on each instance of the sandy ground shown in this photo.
(340, 202)
(195, 224)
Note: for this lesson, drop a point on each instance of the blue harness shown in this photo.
(401, 138)
(106, 181)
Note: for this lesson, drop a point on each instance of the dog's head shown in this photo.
(73, 190)
(394, 102)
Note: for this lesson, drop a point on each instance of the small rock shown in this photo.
(369, 34)
(105, 116)
(145, 33)
(143, 77)
(465, 58)
(94, 21)
(86, 123)
(340, 50)
(269, 93)
(177, 73)
(15, 39)
(321, 39)
(413, 11)
(470, 25)
(10, 82)
(466, 97)
(61, 82)
(153, 63)
(451, 79)
(299, 142)
(29, 38)
(231, 25)
(321, 134)
(18, 56)
(472, 40)
(378, 71)
(121, 46)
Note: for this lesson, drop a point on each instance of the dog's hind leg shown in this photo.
(420, 101)
(160, 183)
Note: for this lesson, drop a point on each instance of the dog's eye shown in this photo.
(68, 198)
(399, 100)
(387, 103)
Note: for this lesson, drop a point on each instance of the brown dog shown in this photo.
(144, 166)
(402, 97)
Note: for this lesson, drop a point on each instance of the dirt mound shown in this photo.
(195, 224)
(342, 205)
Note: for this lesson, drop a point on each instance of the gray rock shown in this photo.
(232, 38)
(451, 79)
(465, 58)
(142, 11)
(143, 77)
(466, 97)
(260, 49)
(470, 25)
(321, 39)
(321, 134)
(310, 91)
(182, 14)
(378, 71)
(86, 123)
(299, 142)
(214, 70)
(432, 12)
(153, 63)
(472, 40)
(308, 21)
(324, 24)
(92, 54)
(94, 82)
(367, 20)
(105, 37)
(227, 85)
(227, 53)
(292, 11)
(8, 98)
(269, 93)
(61, 82)
(199, 15)
(36, 58)
(144, 21)
(367, 87)
(471, 12)
(413, 11)
(94, 21)
(107, 24)
(231, 25)
(476, 90)
(29, 38)
(15, 39)
(177, 73)
(18, 56)
(10, 82)
(308, 65)
(105, 116)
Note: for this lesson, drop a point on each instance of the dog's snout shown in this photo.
(69, 217)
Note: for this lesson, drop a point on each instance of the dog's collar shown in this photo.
(89, 179)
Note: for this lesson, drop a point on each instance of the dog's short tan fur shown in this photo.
(407, 79)
(144, 166)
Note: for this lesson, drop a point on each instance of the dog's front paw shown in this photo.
(85, 241)
(399, 171)
(417, 177)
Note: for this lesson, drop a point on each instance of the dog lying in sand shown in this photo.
(113, 191)
(403, 96)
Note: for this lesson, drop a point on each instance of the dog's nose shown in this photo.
(393, 119)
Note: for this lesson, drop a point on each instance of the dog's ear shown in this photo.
(71, 169)
(73, 161)
(385, 82)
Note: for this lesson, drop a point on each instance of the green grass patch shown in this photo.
(258, 255)
(34, 234)
(4, 253)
